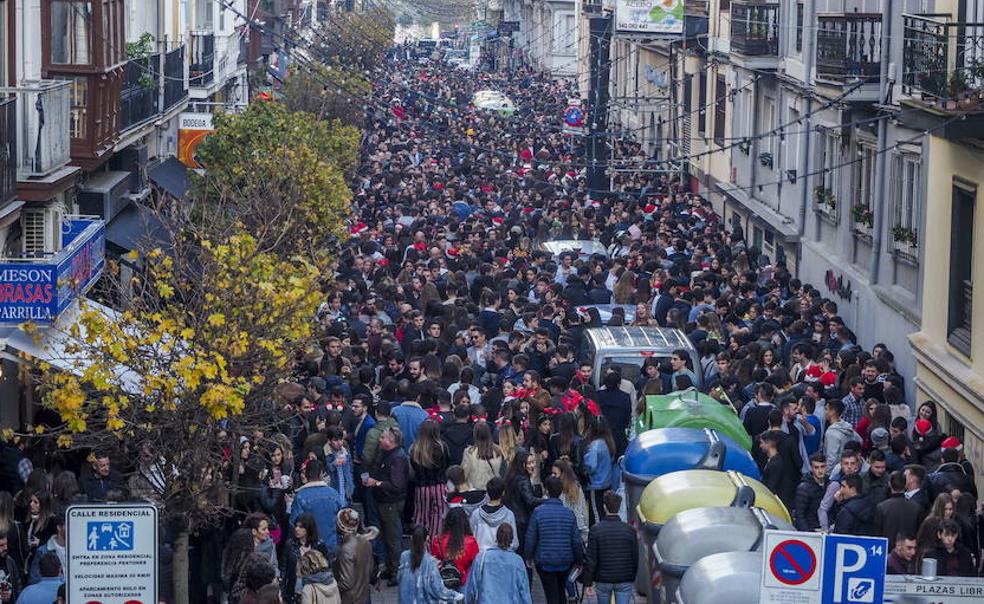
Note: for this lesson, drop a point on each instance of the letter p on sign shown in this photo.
(854, 569)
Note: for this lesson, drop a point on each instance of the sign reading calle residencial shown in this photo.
(649, 16)
(39, 290)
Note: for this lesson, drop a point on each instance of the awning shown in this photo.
(50, 344)
(135, 227)
(172, 176)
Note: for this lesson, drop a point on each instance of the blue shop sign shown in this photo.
(40, 290)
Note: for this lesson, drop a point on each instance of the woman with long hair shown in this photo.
(877, 415)
(642, 317)
(41, 521)
(599, 467)
(927, 537)
(16, 548)
(64, 490)
(318, 585)
(483, 460)
(419, 578)
(237, 550)
(303, 540)
(624, 290)
(455, 544)
(566, 443)
(430, 458)
(521, 497)
(572, 497)
(509, 437)
(537, 441)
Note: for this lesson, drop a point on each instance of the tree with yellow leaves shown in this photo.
(215, 322)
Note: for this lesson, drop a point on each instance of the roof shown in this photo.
(639, 337)
(172, 176)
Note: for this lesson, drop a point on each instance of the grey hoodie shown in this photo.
(485, 524)
(837, 435)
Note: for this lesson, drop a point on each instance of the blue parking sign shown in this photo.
(854, 569)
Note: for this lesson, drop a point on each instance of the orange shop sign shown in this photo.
(192, 130)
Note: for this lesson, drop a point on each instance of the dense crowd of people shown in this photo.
(450, 439)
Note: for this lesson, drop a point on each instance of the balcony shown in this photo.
(849, 47)
(201, 57)
(8, 149)
(140, 93)
(40, 286)
(943, 74)
(42, 139)
(175, 90)
(755, 28)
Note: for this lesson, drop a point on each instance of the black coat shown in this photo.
(520, 498)
(613, 552)
(896, 515)
(776, 476)
(616, 406)
(855, 517)
(950, 474)
(809, 494)
(458, 437)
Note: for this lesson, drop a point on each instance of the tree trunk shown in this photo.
(179, 569)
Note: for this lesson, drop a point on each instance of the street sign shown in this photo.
(112, 554)
(854, 569)
(574, 118)
(940, 590)
(791, 567)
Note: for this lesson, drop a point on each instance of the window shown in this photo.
(825, 188)
(961, 288)
(904, 237)
(770, 144)
(799, 27)
(71, 32)
(863, 184)
(702, 102)
(720, 109)
(79, 100)
(792, 159)
(564, 34)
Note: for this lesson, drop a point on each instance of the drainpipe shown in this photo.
(809, 37)
(881, 161)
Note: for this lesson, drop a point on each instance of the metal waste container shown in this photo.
(727, 578)
(668, 495)
(700, 532)
(692, 409)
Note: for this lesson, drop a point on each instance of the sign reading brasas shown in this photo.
(39, 291)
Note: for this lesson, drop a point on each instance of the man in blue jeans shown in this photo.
(553, 542)
(612, 556)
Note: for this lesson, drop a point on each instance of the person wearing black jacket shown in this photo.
(520, 496)
(389, 482)
(950, 474)
(809, 494)
(775, 474)
(11, 577)
(458, 434)
(612, 555)
(856, 512)
(617, 409)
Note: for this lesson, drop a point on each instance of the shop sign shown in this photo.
(40, 290)
(649, 16)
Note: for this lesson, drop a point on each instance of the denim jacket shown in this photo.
(340, 476)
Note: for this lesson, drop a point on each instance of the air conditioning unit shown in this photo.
(40, 231)
(133, 159)
(103, 195)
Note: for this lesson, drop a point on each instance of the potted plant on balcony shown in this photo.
(141, 49)
(902, 234)
(824, 198)
(958, 88)
(863, 215)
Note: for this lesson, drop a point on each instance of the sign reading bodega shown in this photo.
(39, 291)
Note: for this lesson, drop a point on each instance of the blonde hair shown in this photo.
(508, 441)
(312, 562)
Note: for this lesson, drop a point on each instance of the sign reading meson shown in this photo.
(26, 294)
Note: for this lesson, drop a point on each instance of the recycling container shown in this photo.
(668, 495)
(692, 409)
(699, 532)
(725, 578)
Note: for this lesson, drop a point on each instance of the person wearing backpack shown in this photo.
(455, 549)
(419, 577)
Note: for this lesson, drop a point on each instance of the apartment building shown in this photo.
(91, 95)
(941, 93)
(547, 33)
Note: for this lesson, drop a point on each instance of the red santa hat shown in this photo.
(951, 442)
(923, 426)
(359, 228)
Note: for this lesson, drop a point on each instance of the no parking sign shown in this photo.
(791, 567)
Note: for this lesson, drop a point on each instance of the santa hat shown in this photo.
(951, 442)
(923, 426)
(420, 246)
(828, 379)
(497, 219)
(359, 229)
(650, 208)
(438, 186)
(452, 252)
(814, 371)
